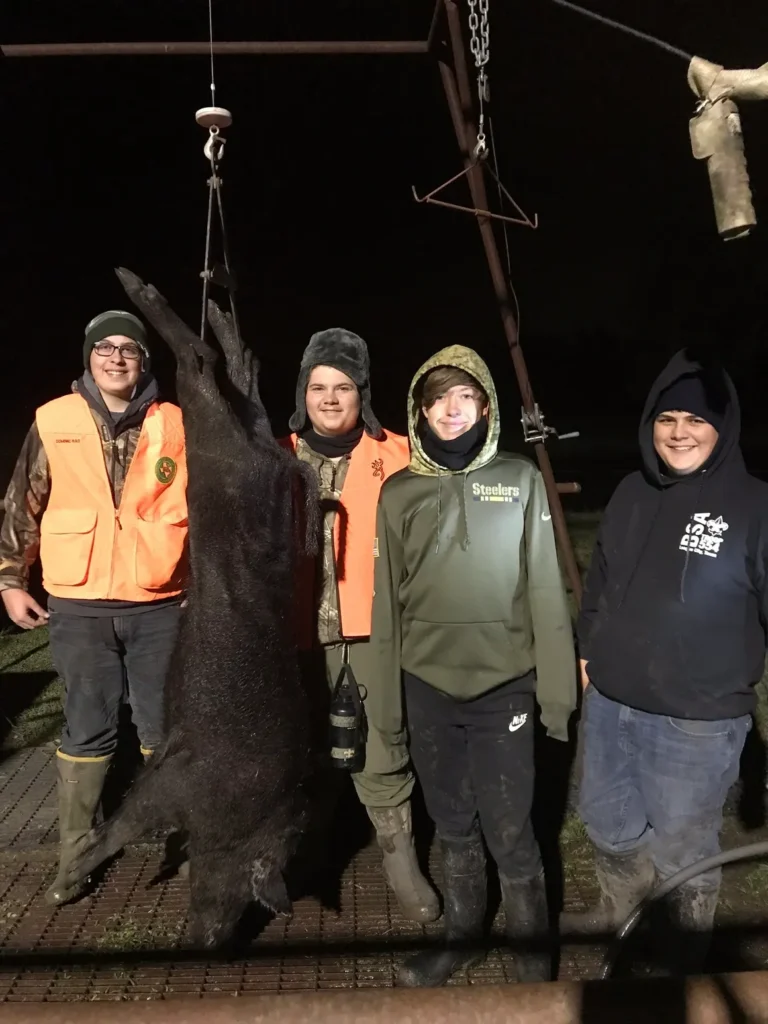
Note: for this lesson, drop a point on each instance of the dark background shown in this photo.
(103, 166)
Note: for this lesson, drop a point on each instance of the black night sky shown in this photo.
(103, 165)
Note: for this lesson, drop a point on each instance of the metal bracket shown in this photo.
(536, 431)
(220, 276)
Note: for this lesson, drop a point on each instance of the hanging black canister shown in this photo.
(348, 724)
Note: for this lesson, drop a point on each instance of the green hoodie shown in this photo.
(468, 592)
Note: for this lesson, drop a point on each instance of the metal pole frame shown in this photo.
(458, 94)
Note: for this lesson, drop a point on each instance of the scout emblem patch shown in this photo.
(165, 469)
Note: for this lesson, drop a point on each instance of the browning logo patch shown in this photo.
(165, 469)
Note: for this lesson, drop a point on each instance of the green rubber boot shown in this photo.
(80, 785)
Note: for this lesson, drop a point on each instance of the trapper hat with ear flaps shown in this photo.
(346, 352)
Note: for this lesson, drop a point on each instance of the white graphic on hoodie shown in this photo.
(704, 536)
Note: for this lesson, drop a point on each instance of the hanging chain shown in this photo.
(480, 45)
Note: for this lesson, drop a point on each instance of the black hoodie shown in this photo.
(674, 614)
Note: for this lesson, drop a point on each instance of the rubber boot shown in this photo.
(624, 879)
(80, 784)
(465, 892)
(691, 914)
(394, 833)
(527, 926)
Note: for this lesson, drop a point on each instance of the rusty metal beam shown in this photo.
(276, 48)
(459, 95)
(719, 999)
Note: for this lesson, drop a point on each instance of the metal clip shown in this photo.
(480, 152)
(535, 431)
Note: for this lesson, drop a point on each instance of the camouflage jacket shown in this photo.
(27, 494)
(331, 474)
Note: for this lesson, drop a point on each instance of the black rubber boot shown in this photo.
(80, 785)
(527, 927)
(465, 892)
(686, 940)
(624, 879)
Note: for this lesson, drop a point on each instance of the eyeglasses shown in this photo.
(106, 348)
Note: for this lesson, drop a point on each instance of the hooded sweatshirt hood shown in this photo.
(721, 398)
(145, 393)
(461, 358)
(673, 610)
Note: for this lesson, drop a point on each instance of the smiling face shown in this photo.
(116, 375)
(333, 401)
(452, 402)
(683, 441)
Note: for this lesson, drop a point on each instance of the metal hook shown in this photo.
(214, 147)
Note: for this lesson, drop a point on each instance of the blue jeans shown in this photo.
(657, 781)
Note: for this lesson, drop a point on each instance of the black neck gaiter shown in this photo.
(333, 447)
(458, 453)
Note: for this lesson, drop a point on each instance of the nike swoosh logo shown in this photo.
(546, 516)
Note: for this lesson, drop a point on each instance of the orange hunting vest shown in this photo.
(91, 550)
(354, 529)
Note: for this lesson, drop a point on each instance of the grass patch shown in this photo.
(27, 651)
(577, 853)
(31, 695)
(128, 932)
(40, 723)
(754, 885)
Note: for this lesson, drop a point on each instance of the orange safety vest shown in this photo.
(91, 550)
(354, 529)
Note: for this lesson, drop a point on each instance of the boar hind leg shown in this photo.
(268, 887)
(153, 803)
(219, 895)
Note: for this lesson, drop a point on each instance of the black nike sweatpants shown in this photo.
(474, 760)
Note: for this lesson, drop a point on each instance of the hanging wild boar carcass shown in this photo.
(234, 771)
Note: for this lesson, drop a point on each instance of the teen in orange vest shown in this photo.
(336, 432)
(99, 491)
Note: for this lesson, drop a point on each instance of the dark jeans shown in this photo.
(651, 779)
(474, 760)
(104, 661)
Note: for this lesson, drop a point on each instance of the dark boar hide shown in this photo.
(234, 771)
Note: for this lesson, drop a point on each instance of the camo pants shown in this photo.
(386, 780)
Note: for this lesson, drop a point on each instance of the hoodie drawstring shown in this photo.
(465, 542)
(439, 508)
(684, 573)
(464, 513)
